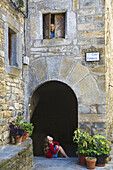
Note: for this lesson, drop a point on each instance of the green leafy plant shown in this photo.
(18, 121)
(103, 145)
(86, 143)
(21, 3)
(28, 127)
(90, 158)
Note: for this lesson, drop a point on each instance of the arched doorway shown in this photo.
(55, 114)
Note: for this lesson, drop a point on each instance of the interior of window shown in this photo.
(12, 47)
(10, 51)
(52, 19)
(58, 20)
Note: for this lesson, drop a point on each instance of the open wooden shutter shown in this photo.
(46, 25)
(60, 25)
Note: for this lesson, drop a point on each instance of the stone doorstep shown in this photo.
(43, 163)
(10, 152)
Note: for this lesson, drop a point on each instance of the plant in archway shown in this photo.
(86, 145)
(96, 146)
(85, 142)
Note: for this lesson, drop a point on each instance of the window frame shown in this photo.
(54, 13)
(14, 69)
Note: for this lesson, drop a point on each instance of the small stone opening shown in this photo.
(55, 113)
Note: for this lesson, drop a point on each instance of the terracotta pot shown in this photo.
(101, 160)
(81, 159)
(25, 136)
(18, 139)
(90, 163)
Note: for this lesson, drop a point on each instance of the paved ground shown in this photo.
(41, 163)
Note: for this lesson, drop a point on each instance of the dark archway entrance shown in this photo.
(55, 114)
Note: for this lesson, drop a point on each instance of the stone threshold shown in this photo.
(59, 158)
(42, 163)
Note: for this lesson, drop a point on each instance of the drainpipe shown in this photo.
(25, 59)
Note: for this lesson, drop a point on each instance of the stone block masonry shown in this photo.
(64, 59)
(17, 156)
(11, 84)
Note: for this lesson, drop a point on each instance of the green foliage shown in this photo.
(18, 120)
(27, 127)
(86, 143)
(24, 125)
(90, 158)
(21, 3)
(91, 145)
(103, 145)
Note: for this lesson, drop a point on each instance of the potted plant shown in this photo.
(84, 141)
(28, 127)
(90, 162)
(102, 150)
(21, 130)
(16, 132)
(18, 121)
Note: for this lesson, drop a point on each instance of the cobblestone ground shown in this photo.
(41, 163)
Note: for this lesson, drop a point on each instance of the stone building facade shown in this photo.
(63, 59)
(59, 60)
(11, 82)
(12, 86)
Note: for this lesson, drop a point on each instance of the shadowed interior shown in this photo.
(55, 114)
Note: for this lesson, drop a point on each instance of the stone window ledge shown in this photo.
(13, 70)
(53, 41)
(17, 156)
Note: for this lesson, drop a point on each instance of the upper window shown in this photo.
(12, 50)
(53, 25)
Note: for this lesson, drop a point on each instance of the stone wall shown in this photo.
(17, 156)
(109, 66)
(11, 83)
(64, 59)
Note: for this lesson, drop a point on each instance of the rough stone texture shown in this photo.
(41, 68)
(109, 65)
(53, 65)
(11, 85)
(17, 156)
(86, 90)
(78, 73)
(64, 59)
(67, 65)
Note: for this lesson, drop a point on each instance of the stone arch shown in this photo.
(54, 111)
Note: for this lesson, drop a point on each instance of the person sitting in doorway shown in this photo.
(52, 31)
(51, 148)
